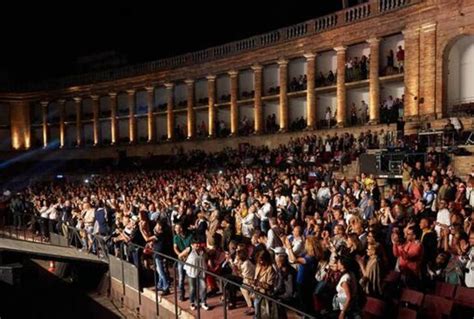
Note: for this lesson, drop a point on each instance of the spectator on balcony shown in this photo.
(321, 79)
(331, 79)
(294, 85)
(353, 115)
(350, 69)
(364, 112)
(400, 58)
(390, 60)
(387, 110)
(328, 117)
(363, 67)
(202, 129)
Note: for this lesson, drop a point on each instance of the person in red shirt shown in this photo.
(400, 58)
(410, 255)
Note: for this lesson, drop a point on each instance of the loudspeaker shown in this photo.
(368, 164)
(11, 274)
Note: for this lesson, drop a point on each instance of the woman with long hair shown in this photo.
(264, 281)
(372, 273)
(346, 300)
(307, 265)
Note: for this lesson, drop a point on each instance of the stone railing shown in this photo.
(318, 25)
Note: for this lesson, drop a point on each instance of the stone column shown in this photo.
(150, 118)
(131, 115)
(283, 76)
(258, 110)
(44, 110)
(211, 94)
(310, 93)
(412, 73)
(428, 78)
(78, 102)
(341, 86)
(374, 82)
(191, 118)
(20, 124)
(234, 109)
(62, 125)
(113, 117)
(170, 106)
(95, 118)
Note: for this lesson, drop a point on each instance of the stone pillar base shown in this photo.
(309, 128)
(373, 122)
(282, 130)
(340, 125)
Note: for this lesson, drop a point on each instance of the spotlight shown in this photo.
(86, 181)
(59, 176)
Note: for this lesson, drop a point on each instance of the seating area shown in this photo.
(446, 301)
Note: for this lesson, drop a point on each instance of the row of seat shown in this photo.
(448, 301)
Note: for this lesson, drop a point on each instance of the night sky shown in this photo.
(40, 41)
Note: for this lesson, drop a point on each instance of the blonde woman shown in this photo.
(307, 263)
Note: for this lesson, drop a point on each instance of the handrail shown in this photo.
(98, 239)
(321, 24)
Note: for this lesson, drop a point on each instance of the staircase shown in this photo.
(349, 171)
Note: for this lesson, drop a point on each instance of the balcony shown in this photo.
(334, 20)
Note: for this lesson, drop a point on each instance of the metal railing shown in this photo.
(97, 245)
(310, 27)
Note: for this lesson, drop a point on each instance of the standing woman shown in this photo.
(307, 265)
(345, 300)
(264, 281)
(372, 274)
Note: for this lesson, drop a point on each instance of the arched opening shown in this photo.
(459, 75)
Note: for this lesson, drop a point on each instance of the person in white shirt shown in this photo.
(324, 194)
(264, 213)
(469, 263)
(328, 116)
(196, 277)
(297, 241)
(273, 235)
(443, 218)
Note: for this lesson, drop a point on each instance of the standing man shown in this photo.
(182, 248)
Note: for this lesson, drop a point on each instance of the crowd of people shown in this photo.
(276, 221)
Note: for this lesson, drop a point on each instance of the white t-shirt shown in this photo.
(265, 212)
(443, 217)
(341, 296)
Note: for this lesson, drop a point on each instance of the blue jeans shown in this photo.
(257, 303)
(163, 283)
(181, 277)
(193, 282)
(265, 226)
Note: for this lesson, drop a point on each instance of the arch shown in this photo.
(462, 43)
